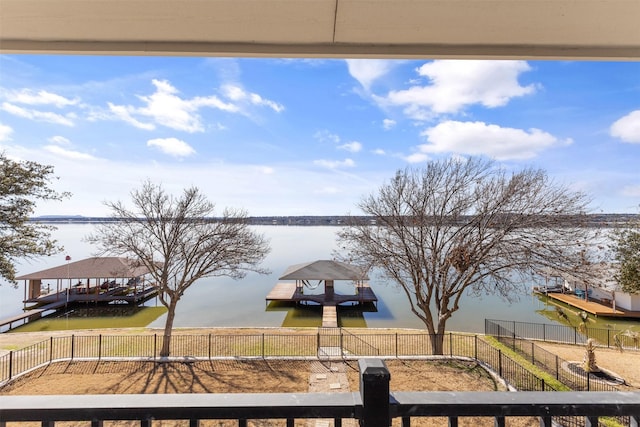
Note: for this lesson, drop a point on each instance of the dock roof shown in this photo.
(324, 270)
(90, 268)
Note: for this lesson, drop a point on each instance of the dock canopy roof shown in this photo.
(324, 270)
(96, 267)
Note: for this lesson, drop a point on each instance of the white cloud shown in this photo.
(165, 107)
(124, 113)
(478, 138)
(5, 132)
(379, 152)
(30, 97)
(39, 116)
(326, 136)
(237, 94)
(68, 154)
(627, 128)
(335, 164)
(59, 140)
(456, 84)
(353, 146)
(367, 71)
(267, 170)
(416, 158)
(388, 124)
(172, 146)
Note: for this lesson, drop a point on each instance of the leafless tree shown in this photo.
(457, 227)
(178, 240)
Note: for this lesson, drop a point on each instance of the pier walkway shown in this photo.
(593, 307)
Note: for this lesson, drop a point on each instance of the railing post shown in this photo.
(451, 344)
(475, 346)
(500, 362)
(396, 345)
(209, 345)
(374, 390)
(155, 346)
(50, 349)
(99, 346)
(262, 346)
(10, 364)
(73, 345)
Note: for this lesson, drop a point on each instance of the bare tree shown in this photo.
(465, 226)
(179, 242)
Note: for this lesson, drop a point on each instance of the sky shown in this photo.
(313, 136)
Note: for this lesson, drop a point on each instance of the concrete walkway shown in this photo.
(329, 377)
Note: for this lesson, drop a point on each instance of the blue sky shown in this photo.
(312, 136)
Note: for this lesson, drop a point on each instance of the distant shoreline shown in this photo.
(591, 220)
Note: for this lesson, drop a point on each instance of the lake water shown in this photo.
(216, 302)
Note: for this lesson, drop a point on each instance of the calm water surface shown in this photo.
(226, 302)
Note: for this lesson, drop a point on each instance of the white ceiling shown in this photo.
(574, 29)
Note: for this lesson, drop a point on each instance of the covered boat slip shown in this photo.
(324, 272)
(92, 280)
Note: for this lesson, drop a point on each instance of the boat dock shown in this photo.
(59, 300)
(594, 307)
(292, 292)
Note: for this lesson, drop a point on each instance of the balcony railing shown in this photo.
(374, 405)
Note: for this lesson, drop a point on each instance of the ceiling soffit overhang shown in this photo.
(535, 29)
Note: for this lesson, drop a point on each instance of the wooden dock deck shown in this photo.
(290, 292)
(592, 307)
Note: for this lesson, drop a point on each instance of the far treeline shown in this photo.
(588, 220)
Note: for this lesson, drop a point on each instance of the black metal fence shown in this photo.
(610, 338)
(323, 344)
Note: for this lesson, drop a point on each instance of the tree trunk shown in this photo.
(168, 328)
(437, 340)
(437, 344)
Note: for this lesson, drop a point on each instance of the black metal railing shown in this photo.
(610, 338)
(374, 405)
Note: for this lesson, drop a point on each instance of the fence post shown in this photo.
(500, 362)
(557, 371)
(73, 345)
(575, 336)
(50, 349)
(374, 390)
(262, 346)
(99, 346)
(514, 334)
(209, 345)
(544, 332)
(155, 346)
(451, 344)
(10, 364)
(533, 354)
(475, 346)
(396, 345)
